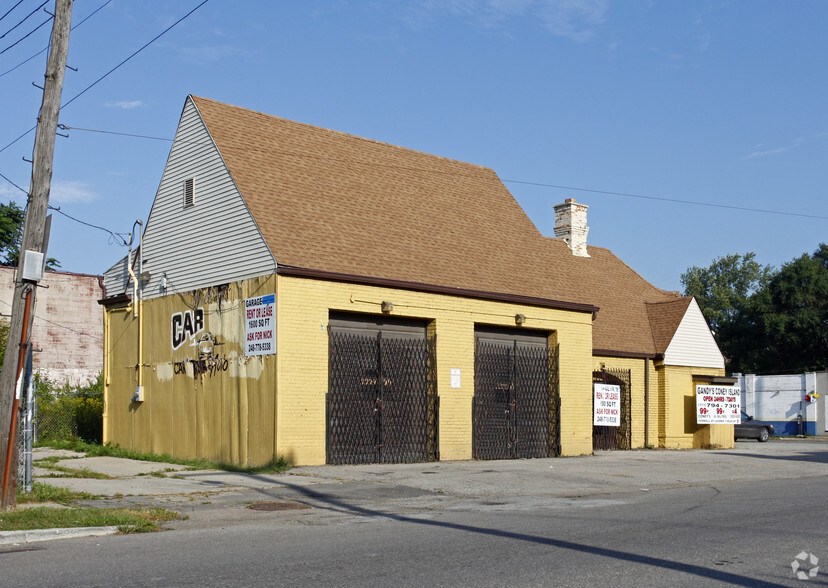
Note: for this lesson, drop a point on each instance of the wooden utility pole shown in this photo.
(34, 239)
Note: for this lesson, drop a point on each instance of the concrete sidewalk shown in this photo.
(527, 481)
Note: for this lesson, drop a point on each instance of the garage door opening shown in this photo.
(382, 404)
(516, 405)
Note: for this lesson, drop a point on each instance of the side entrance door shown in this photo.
(516, 406)
(382, 395)
(619, 437)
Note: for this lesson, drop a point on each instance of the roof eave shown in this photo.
(434, 289)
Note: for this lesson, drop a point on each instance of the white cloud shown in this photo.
(126, 105)
(7, 191)
(759, 152)
(71, 192)
(574, 19)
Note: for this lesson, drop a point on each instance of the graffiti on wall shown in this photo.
(210, 366)
(209, 361)
(184, 326)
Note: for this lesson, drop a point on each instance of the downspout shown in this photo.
(137, 309)
(646, 402)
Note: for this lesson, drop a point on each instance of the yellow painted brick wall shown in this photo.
(639, 414)
(304, 306)
(677, 414)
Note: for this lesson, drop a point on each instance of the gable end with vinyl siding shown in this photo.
(200, 232)
(693, 343)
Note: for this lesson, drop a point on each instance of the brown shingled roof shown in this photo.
(333, 202)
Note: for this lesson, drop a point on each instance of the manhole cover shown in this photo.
(271, 506)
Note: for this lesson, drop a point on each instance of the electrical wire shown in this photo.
(67, 128)
(13, 184)
(9, 11)
(96, 82)
(133, 135)
(27, 35)
(45, 320)
(158, 36)
(25, 18)
(24, 62)
(673, 200)
(118, 237)
(538, 184)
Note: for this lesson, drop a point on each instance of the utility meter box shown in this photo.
(32, 266)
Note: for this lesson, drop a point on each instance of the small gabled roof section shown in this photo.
(665, 318)
(116, 280)
(682, 336)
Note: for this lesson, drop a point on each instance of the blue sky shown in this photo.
(721, 102)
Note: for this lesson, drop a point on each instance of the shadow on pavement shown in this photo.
(811, 456)
(335, 504)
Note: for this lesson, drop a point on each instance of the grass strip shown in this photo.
(94, 450)
(47, 493)
(45, 517)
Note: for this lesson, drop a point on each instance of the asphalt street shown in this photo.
(649, 518)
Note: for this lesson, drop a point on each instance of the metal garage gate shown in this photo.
(516, 405)
(614, 437)
(382, 396)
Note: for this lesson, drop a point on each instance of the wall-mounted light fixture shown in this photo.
(145, 277)
(387, 306)
(163, 284)
(520, 319)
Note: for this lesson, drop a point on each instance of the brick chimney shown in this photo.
(571, 226)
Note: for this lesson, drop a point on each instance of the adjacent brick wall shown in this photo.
(67, 332)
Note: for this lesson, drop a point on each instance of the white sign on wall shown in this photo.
(260, 325)
(455, 377)
(718, 405)
(606, 405)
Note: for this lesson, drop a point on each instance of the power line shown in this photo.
(673, 200)
(13, 184)
(93, 84)
(67, 128)
(158, 36)
(24, 62)
(24, 18)
(116, 236)
(27, 35)
(8, 12)
(45, 320)
(539, 184)
(131, 135)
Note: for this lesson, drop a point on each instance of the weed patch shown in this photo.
(95, 450)
(46, 493)
(44, 517)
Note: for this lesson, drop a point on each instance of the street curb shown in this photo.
(35, 535)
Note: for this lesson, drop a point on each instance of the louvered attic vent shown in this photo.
(189, 192)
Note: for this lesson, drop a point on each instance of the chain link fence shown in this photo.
(53, 417)
(66, 416)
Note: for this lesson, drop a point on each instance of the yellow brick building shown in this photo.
(307, 294)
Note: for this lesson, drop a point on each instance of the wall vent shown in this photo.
(189, 192)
